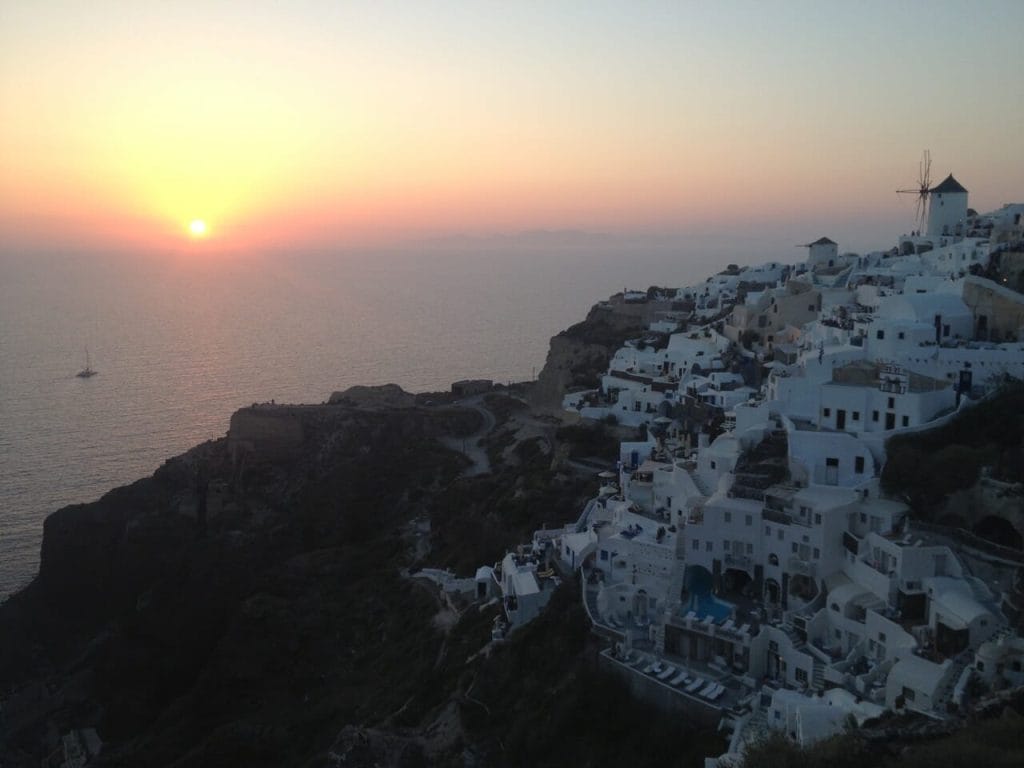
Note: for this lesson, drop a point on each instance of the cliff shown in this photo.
(579, 355)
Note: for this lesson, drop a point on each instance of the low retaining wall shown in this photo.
(662, 696)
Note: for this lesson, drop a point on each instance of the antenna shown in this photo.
(924, 181)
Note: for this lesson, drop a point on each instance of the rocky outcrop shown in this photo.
(578, 356)
(383, 396)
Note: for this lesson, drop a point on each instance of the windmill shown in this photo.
(924, 169)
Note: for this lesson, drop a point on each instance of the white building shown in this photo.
(947, 209)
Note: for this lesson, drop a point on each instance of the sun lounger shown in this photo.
(717, 694)
(679, 679)
(666, 673)
(699, 682)
(649, 668)
(710, 691)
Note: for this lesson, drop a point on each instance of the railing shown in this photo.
(784, 518)
(801, 566)
(775, 516)
(740, 561)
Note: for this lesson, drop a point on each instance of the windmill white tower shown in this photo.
(947, 209)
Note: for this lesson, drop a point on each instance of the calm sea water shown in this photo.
(181, 343)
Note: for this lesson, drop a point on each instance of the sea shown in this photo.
(182, 340)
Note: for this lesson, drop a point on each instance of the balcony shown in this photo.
(738, 561)
(801, 566)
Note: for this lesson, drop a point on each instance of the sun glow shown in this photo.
(197, 228)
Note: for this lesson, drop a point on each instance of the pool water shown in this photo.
(702, 601)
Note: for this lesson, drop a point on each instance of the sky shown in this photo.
(320, 124)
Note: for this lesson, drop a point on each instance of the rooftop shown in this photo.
(949, 184)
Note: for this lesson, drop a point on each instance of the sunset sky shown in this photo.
(320, 124)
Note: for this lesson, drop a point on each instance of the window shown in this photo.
(856, 415)
(779, 534)
(839, 634)
(817, 518)
(827, 412)
(795, 547)
(908, 694)
(874, 415)
(604, 554)
(835, 607)
(906, 421)
(801, 675)
(858, 465)
(810, 308)
(945, 330)
(892, 403)
(749, 520)
(728, 517)
(879, 334)
(881, 637)
(750, 548)
(817, 553)
(773, 559)
(696, 544)
(708, 546)
(901, 335)
(831, 462)
(712, 465)
(767, 530)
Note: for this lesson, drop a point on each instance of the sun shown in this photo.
(197, 228)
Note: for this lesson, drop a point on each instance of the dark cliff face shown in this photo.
(578, 356)
(176, 636)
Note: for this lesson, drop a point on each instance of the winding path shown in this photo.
(469, 445)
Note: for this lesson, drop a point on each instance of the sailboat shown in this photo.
(86, 372)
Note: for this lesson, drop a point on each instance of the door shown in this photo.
(840, 419)
(890, 421)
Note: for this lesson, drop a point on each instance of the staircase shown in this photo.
(818, 676)
(945, 692)
(792, 634)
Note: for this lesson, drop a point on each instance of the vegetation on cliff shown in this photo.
(926, 467)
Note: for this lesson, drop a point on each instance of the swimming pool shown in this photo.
(701, 601)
